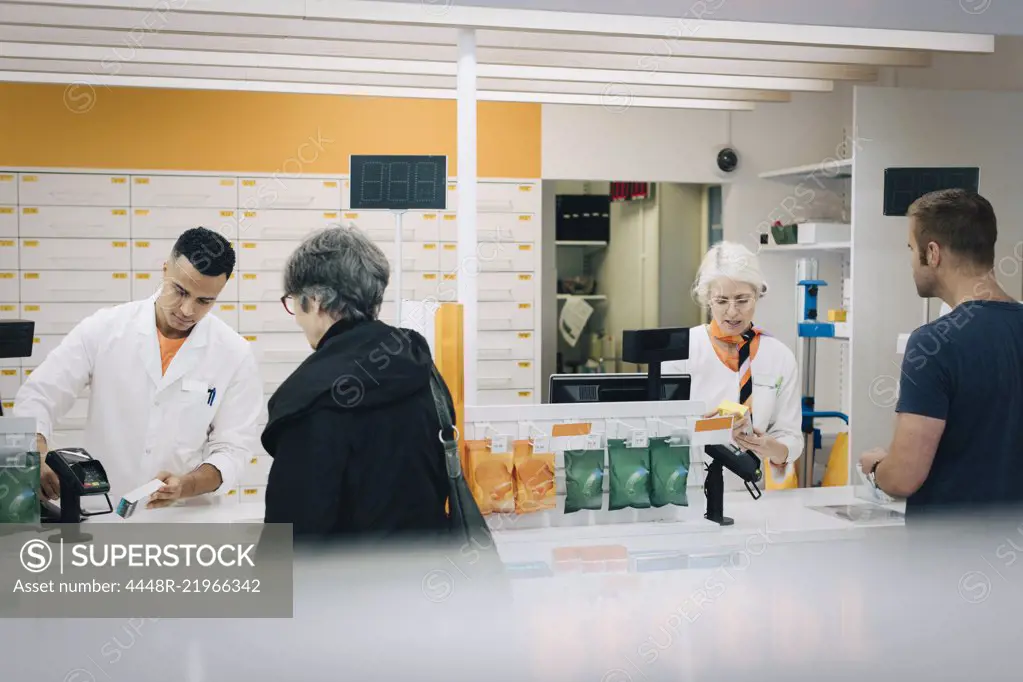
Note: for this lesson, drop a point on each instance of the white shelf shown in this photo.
(599, 245)
(822, 246)
(841, 168)
(587, 297)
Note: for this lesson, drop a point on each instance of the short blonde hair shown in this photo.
(728, 260)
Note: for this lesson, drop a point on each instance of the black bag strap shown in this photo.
(453, 461)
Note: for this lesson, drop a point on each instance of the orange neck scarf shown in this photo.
(727, 347)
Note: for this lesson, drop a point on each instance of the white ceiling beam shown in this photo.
(181, 41)
(445, 13)
(87, 69)
(143, 24)
(112, 57)
(611, 100)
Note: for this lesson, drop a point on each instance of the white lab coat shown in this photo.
(141, 422)
(777, 406)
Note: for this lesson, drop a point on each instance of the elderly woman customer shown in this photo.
(353, 431)
(733, 359)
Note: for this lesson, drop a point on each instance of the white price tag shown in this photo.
(639, 439)
(593, 442)
(499, 444)
(542, 444)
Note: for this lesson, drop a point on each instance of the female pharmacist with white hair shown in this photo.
(732, 359)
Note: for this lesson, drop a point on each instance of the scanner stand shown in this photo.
(714, 489)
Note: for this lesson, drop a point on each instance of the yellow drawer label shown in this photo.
(525, 394)
(227, 182)
(118, 181)
(6, 178)
(451, 247)
(249, 275)
(30, 211)
(141, 211)
(249, 245)
(430, 216)
(31, 309)
(449, 277)
(525, 306)
(35, 340)
(227, 214)
(120, 275)
(141, 181)
(525, 278)
(142, 245)
(524, 335)
(429, 247)
(351, 216)
(525, 247)
(7, 242)
(330, 183)
(28, 275)
(30, 243)
(8, 404)
(120, 245)
(119, 211)
(7, 275)
(9, 372)
(429, 276)
(232, 491)
(28, 372)
(250, 307)
(8, 308)
(250, 491)
(254, 460)
(330, 215)
(525, 218)
(227, 307)
(30, 178)
(248, 183)
(250, 214)
(6, 210)
(525, 188)
(250, 338)
(452, 188)
(525, 365)
(141, 275)
(450, 216)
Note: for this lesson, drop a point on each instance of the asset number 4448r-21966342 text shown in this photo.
(204, 585)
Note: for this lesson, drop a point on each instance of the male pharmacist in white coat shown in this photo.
(175, 393)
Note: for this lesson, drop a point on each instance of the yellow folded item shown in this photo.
(836, 316)
(728, 407)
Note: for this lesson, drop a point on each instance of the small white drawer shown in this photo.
(377, 225)
(73, 254)
(505, 374)
(507, 397)
(169, 223)
(421, 286)
(259, 318)
(73, 189)
(73, 286)
(506, 317)
(290, 192)
(150, 254)
(58, 318)
(8, 188)
(505, 287)
(265, 256)
(506, 346)
(8, 254)
(9, 311)
(10, 380)
(422, 226)
(260, 287)
(279, 347)
(415, 256)
(184, 191)
(286, 224)
(228, 312)
(9, 286)
(491, 257)
(496, 227)
(8, 221)
(522, 197)
(73, 222)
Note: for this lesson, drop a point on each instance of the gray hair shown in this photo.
(728, 260)
(342, 269)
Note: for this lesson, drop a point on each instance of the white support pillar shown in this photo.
(468, 264)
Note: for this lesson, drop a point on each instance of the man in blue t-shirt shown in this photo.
(958, 443)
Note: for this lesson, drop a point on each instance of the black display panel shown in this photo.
(903, 186)
(399, 183)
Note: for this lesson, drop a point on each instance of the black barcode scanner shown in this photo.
(743, 464)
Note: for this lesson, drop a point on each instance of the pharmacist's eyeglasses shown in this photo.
(287, 302)
(741, 302)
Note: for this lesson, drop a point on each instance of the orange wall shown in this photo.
(79, 126)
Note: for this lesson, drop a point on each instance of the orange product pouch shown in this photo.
(491, 478)
(534, 479)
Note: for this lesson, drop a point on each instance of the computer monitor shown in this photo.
(614, 388)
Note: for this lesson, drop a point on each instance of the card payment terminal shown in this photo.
(80, 476)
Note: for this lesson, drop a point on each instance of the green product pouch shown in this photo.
(584, 480)
(19, 481)
(670, 472)
(630, 476)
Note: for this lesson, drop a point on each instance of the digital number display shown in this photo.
(399, 183)
(903, 186)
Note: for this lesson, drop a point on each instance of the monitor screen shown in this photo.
(614, 388)
(402, 183)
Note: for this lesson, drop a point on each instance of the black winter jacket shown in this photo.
(354, 437)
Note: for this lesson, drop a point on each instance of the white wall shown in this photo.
(907, 128)
(1002, 70)
(681, 244)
